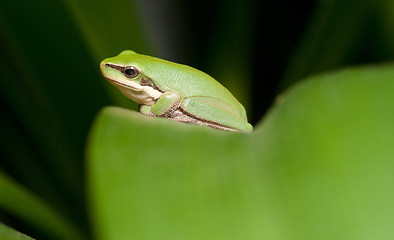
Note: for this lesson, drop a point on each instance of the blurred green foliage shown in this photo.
(51, 90)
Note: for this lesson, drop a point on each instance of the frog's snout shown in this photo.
(103, 64)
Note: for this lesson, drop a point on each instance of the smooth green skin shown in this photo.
(194, 91)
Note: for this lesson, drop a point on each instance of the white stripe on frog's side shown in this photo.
(140, 94)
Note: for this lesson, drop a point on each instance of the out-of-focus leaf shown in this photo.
(319, 166)
(99, 22)
(19, 156)
(109, 28)
(166, 180)
(7, 233)
(53, 89)
(340, 32)
(387, 26)
(17, 201)
(229, 58)
(329, 145)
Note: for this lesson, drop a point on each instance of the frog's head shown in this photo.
(125, 71)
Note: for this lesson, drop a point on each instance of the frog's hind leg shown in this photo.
(214, 112)
(181, 116)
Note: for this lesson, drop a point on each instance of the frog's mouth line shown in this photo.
(122, 84)
(137, 88)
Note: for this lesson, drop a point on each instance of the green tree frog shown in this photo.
(175, 91)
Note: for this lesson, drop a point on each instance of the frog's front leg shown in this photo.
(167, 104)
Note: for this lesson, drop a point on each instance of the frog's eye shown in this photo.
(131, 72)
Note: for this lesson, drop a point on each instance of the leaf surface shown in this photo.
(319, 166)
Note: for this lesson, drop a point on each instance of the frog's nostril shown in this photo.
(103, 64)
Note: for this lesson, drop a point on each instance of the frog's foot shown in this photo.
(146, 110)
(181, 116)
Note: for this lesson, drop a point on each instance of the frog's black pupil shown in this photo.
(130, 72)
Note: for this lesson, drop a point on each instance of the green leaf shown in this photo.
(230, 52)
(50, 100)
(109, 28)
(19, 202)
(148, 173)
(319, 166)
(7, 233)
(100, 25)
(338, 34)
